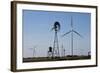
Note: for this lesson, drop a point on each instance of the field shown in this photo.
(38, 59)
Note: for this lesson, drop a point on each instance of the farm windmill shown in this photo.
(72, 31)
(55, 51)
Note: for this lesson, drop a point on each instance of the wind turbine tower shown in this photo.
(72, 31)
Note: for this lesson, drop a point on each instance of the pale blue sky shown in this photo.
(37, 31)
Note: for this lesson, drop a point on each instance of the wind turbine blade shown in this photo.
(66, 33)
(77, 33)
(71, 22)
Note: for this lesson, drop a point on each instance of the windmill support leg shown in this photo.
(55, 52)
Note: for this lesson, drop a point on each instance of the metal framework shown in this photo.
(55, 52)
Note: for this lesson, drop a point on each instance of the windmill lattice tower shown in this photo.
(56, 28)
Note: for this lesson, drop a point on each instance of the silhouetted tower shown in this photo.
(56, 28)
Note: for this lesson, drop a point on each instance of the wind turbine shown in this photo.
(72, 31)
(63, 51)
(56, 28)
(34, 52)
(33, 49)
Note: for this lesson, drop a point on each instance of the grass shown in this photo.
(39, 59)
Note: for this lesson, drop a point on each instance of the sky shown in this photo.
(37, 33)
